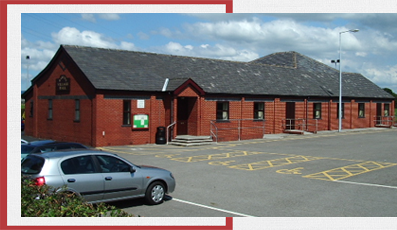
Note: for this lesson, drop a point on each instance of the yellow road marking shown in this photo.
(224, 163)
(215, 156)
(349, 171)
(274, 163)
(290, 171)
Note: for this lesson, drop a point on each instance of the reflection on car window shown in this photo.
(78, 165)
(32, 165)
(45, 149)
(112, 164)
(26, 148)
(59, 147)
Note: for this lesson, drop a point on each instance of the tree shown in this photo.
(392, 93)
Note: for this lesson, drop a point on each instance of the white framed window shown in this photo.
(222, 110)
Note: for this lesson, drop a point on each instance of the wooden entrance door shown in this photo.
(183, 116)
(290, 115)
(378, 113)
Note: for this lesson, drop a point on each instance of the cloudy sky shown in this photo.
(239, 37)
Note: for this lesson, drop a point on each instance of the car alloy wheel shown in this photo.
(155, 193)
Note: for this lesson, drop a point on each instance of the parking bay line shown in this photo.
(209, 207)
(365, 184)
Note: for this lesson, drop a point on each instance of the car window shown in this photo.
(26, 148)
(60, 147)
(77, 146)
(112, 164)
(44, 149)
(32, 165)
(78, 165)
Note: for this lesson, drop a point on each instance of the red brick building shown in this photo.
(102, 97)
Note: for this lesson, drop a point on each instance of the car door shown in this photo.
(120, 182)
(81, 175)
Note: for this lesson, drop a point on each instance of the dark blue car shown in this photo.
(48, 146)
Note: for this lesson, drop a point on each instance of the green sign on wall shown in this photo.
(141, 121)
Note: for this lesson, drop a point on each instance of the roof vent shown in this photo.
(165, 84)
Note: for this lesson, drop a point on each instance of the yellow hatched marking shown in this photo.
(349, 171)
(274, 163)
(218, 156)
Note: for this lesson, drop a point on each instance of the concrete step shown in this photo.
(383, 126)
(297, 131)
(187, 140)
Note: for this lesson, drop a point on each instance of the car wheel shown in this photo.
(155, 193)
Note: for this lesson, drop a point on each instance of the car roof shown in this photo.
(37, 143)
(53, 143)
(68, 153)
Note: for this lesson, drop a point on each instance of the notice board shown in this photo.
(140, 121)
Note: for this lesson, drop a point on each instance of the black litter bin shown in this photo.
(160, 135)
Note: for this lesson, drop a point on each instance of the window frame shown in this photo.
(221, 112)
(316, 109)
(386, 110)
(361, 111)
(77, 114)
(258, 110)
(126, 113)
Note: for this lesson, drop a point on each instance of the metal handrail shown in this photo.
(167, 132)
(239, 127)
(216, 130)
(303, 124)
(388, 121)
(289, 120)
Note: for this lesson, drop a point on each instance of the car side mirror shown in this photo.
(132, 169)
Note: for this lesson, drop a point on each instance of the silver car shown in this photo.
(98, 176)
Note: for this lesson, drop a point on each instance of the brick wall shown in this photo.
(101, 116)
(62, 126)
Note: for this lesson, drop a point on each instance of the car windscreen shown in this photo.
(27, 148)
(32, 165)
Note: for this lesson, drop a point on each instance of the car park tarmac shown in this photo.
(329, 174)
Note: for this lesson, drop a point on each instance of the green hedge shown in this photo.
(43, 201)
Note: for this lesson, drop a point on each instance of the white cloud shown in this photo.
(143, 36)
(88, 17)
(73, 36)
(267, 37)
(361, 54)
(127, 46)
(205, 50)
(245, 37)
(382, 76)
(109, 17)
(40, 53)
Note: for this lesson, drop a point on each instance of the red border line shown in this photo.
(228, 226)
(3, 104)
(227, 3)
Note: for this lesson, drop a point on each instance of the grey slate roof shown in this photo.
(283, 74)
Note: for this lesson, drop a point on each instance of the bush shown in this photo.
(43, 201)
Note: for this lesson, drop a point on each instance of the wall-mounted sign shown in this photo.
(140, 104)
(62, 84)
(140, 121)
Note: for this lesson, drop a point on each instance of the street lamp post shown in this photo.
(27, 73)
(340, 76)
(335, 61)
